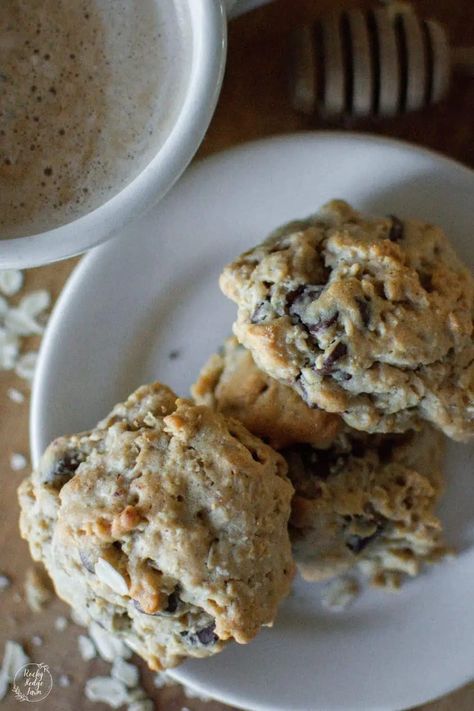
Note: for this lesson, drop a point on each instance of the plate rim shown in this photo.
(75, 279)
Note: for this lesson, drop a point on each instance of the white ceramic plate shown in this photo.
(133, 302)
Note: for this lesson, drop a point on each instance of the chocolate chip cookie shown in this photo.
(231, 383)
(166, 524)
(371, 318)
(367, 501)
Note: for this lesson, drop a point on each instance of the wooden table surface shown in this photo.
(253, 104)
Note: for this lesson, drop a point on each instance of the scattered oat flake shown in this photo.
(60, 623)
(9, 349)
(35, 302)
(3, 684)
(87, 648)
(14, 658)
(11, 281)
(141, 705)
(15, 395)
(18, 461)
(125, 672)
(5, 582)
(137, 694)
(64, 680)
(37, 641)
(26, 364)
(37, 590)
(22, 324)
(109, 691)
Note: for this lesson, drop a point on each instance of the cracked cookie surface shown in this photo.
(371, 318)
(231, 383)
(166, 524)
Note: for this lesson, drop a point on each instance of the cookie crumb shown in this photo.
(175, 354)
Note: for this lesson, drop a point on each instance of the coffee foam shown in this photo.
(87, 95)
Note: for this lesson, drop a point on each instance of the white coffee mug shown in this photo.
(207, 21)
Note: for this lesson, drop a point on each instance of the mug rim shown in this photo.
(208, 24)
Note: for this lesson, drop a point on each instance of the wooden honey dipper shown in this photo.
(381, 62)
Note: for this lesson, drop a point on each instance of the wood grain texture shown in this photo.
(254, 103)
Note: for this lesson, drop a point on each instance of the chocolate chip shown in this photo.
(364, 308)
(302, 391)
(302, 297)
(343, 376)
(426, 281)
(316, 463)
(397, 229)
(62, 469)
(323, 325)
(259, 312)
(205, 637)
(173, 602)
(292, 296)
(339, 351)
(356, 544)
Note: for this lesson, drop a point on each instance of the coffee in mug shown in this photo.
(89, 89)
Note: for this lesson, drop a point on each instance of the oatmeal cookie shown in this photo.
(367, 501)
(166, 524)
(231, 383)
(371, 318)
